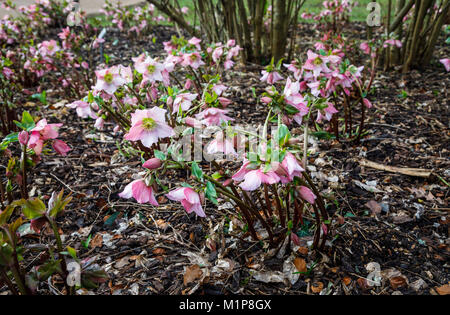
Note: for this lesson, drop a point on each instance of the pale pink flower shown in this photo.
(184, 10)
(48, 48)
(290, 163)
(196, 42)
(83, 109)
(148, 126)
(224, 101)
(213, 116)
(23, 137)
(109, 80)
(61, 147)
(219, 89)
(99, 123)
(189, 198)
(254, 178)
(218, 52)
(367, 103)
(193, 59)
(150, 69)
(184, 100)
(326, 113)
(446, 63)
(365, 48)
(139, 190)
(221, 145)
(270, 77)
(306, 194)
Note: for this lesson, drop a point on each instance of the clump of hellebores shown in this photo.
(161, 104)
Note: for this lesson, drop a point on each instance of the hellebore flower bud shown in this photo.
(152, 164)
(23, 137)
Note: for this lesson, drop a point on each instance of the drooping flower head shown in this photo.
(139, 190)
(189, 198)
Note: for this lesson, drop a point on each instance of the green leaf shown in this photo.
(216, 175)
(72, 252)
(160, 155)
(32, 208)
(211, 192)
(197, 171)
(6, 214)
(111, 218)
(59, 204)
(87, 241)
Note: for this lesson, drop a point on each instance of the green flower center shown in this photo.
(50, 47)
(148, 123)
(108, 78)
(151, 68)
(193, 57)
(318, 61)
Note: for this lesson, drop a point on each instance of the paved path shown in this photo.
(90, 6)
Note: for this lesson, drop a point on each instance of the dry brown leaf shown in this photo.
(443, 290)
(192, 273)
(97, 241)
(373, 206)
(159, 251)
(397, 282)
(300, 264)
(317, 287)
(303, 250)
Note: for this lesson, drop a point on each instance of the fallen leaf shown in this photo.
(97, 241)
(159, 251)
(397, 282)
(363, 284)
(443, 290)
(373, 206)
(317, 287)
(192, 273)
(303, 250)
(122, 262)
(300, 264)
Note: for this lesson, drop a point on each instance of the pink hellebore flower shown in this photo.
(306, 194)
(48, 48)
(367, 103)
(184, 100)
(446, 63)
(291, 165)
(152, 164)
(327, 113)
(213, 116)
(189, 199)
(218, 52)
(221, 145)
(139, 190)
(193, 59)
(109, 80)
(365, 48)
(270, 77)
(316, 63)
(149, 68)
(61, 147)
(23, 137)
(254, 178)
(83, 109)
(196, 42)
(149, 125)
